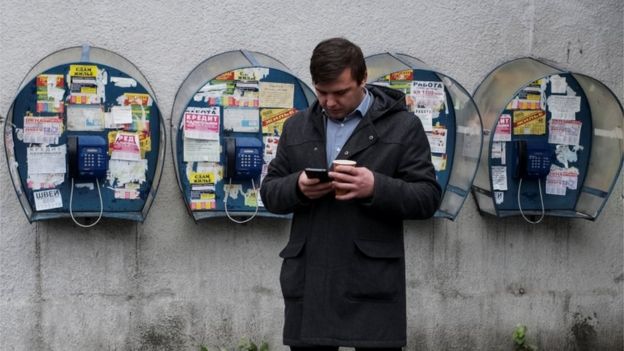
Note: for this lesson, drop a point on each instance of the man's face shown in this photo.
(341, 96)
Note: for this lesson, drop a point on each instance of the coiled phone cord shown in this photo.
(253, 186)
(71, 199)
(539, 184)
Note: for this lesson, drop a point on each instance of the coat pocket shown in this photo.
(292, 275)
(376, 270)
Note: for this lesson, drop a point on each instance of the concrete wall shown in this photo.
(171, 284)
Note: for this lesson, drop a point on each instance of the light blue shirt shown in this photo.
(338, 132)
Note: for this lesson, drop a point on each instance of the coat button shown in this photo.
(370, 137)
(346, 153)
(315, 148)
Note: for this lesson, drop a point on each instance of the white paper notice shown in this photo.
(564, 132)
(122, 172)
(499, 177)
(123, 82)
(85, 118)
(122, 114)
(498, 151)
(426, 117)
(499, 197)
(437, 140)
(564, 107)
(47, 199)
(503, 129)
(46, 159)
(42, 130)
(201, 150)
(277, 95)
(558, 84)
(241, 120)
(45, 180)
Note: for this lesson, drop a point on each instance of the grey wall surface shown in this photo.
(171, 284)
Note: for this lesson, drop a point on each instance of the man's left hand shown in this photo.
(352, 182)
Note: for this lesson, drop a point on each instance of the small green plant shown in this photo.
(244, 344)
(519, 338)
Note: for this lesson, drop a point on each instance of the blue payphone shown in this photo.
(227, 119)
(553, 142)
(84, 138)
(449, 116)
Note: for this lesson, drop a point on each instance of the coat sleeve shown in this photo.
(279, 191)
(413, 192)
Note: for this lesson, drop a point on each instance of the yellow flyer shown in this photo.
(273, 119)
(202, 178)
(89, 71)
(407, 74)
(529, 122)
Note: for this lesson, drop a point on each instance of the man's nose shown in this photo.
(330, 101)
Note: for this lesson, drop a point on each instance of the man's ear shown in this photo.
(363, 83)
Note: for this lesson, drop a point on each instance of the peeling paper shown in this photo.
(121, 172)
(123, 82)
(565, 155)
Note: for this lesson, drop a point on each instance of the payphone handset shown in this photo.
(243, 161)
(88, 160)
(243, 157)
(532, 161)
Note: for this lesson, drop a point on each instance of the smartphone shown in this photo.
(318, 173)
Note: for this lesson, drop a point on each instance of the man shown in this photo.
(343, 274)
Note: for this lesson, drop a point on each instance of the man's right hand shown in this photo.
(313, 188)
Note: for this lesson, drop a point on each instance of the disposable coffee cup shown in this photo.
(349, 163)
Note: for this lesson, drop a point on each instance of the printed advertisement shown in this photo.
(529, 122)
(273, 120)
(202, 122)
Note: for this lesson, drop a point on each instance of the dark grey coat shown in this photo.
(343, 274)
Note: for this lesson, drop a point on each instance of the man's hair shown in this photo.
(330, 58)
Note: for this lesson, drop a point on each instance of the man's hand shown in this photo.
(352, 182)
(313, 188)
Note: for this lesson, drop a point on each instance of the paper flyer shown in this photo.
(558, 84)
(564, 132)
(241, 120)
(428, 94)
(45, 180)
(135, 99)
(529, 122)
(90, 71)
(48, 199)
(499, 151)
(439, 162)
(252, 73)
(499, 177)
(122, 114)
(85, 118)
(277, 95)
(46, 159)
(273, 120)
(270, 147)
(564, 107)
(201, 150)
(407, 74)
(42, 130)
(202, 122)
(503, 129)
(126, 147)
(50, 92)
(437, 140)
(122, 172)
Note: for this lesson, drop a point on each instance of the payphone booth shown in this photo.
(449, 116)
(84, 138)
(227, 119)
(553, 142)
